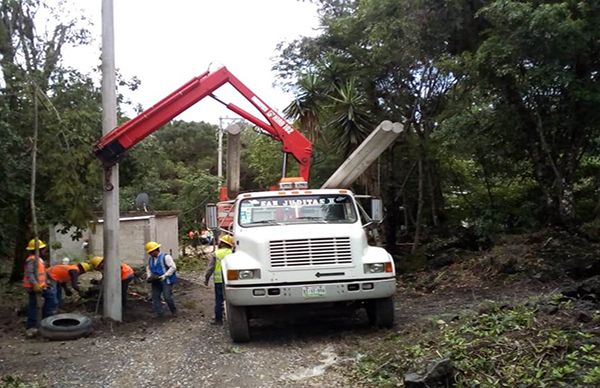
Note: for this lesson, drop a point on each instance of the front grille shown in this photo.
(310, 252)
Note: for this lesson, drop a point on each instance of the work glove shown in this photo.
(37, 288)
(152, 278)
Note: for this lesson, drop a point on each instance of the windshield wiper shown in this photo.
(312, 218)
(262, 222)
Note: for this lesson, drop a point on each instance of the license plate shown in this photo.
(313, 291)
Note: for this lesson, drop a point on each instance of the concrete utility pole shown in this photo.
(112, 264)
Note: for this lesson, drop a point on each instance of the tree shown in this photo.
(535, 72)
(68, 119)
(375, 61)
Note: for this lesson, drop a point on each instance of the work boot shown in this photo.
(31, 332)
(216, 322)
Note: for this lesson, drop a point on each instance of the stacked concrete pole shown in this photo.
(366, 153)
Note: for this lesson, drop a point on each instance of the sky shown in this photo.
(165, 44)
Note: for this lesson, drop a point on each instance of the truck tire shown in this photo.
(65, 327)
(237, 319)
(381, 312)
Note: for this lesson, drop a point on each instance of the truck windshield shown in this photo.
(302, 209)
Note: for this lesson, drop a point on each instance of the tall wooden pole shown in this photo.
(112, 264)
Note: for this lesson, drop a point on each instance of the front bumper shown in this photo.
(310, 293)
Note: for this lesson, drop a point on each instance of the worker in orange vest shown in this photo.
(67, 273)
(37, 285)
(127, 275)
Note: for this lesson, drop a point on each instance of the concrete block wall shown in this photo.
(134, 232)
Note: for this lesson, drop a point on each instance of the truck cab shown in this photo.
(303, 247)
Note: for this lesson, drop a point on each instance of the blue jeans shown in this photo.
(49, 308)
(166, 290)
(218, 302)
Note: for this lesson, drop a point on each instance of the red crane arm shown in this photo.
(111, 147)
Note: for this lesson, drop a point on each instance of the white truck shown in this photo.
(295, 246)
(301, 247)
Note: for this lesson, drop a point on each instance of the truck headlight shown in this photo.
(378, 267)
(246, 274)
(243, 274)
(374, 268)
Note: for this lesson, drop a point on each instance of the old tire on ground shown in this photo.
(65, 326)
(237, 319)
(381, 312)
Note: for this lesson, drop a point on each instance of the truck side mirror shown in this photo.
(211, 216)
(376, 210)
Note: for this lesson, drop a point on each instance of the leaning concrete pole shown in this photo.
(364, 155)
(112, 264)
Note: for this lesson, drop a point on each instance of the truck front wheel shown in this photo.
(237, 319)
(381, 312)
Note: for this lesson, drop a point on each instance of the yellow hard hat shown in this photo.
(85, 267)
(96, 261)
(227, 239)
(151, 246)
(31, 245)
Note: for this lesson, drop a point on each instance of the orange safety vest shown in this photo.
(126, 271)
(41, 273)
(60, 272)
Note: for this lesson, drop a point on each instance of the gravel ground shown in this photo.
(311, 350)
(183, 351)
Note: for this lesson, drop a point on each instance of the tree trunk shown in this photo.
(22, 231)
(419, 216)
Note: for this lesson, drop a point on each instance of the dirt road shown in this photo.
(312, 351)
(182, 351)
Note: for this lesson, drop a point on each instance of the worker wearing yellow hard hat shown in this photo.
(162, 274)
(63, 274)
(96, 261)
(151, 246)
(127, 276)
(226, 244)
(35, 282)
(31, 245)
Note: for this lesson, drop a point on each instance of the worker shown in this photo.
(127, 275)
(162, 274)
(224, 248)
(37, 285)
(62, 274)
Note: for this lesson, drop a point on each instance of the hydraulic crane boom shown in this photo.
(111, 147)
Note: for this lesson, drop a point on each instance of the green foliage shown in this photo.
(263, 157)
(68, 117)
(176, 168)
(17, 382)
(192, 263)
(499, 94)
(502, 347)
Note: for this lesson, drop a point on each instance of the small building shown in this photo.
(135, 230)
